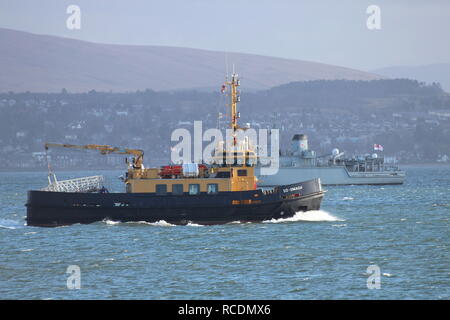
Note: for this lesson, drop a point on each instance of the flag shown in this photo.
(223, 88)
(377, 147)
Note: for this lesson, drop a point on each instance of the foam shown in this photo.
(110, 222)
(191, 224)
(160, 223)
(10, 224)
(312, 215)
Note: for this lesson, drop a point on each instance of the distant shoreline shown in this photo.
(420, 165)
(401, 166)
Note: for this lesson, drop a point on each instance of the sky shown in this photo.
(413, 32)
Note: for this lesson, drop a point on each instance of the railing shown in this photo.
(268, 190)
(85, 184)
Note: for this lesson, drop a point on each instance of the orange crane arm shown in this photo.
(104, 149)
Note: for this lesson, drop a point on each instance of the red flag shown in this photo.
(378, 147)
(224, 87)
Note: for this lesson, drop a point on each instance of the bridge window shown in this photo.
(194, 189)
(177, 189)
(161, 189)
(242, 173)
(213, 188)
(223, 174)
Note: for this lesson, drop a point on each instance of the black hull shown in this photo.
(51, 209)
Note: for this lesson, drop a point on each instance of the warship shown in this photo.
(301, 163)
(219, 192)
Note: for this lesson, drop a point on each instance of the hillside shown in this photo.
(410, 119)
(40, 63)
(439, 72)
(337, 96)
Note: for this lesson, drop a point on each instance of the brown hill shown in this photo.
(41, 63)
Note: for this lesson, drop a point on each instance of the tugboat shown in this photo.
(217, 193)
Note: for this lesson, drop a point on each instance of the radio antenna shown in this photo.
(226, 65)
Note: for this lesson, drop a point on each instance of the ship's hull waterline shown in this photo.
(330, 176)
(51, 209)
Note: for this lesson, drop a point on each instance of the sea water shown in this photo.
(402, 232)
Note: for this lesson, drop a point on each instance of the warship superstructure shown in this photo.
(301, 163)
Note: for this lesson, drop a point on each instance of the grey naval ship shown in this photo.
(301, 163)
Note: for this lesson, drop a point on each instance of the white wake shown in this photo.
(10, 224)
(160, 223)
(110, 222)
(313, 215)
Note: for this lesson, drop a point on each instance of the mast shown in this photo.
(234, 100)
(241, 150)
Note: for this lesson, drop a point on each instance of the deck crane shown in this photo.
(138, 158)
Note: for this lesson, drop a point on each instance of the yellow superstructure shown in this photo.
(240, 178)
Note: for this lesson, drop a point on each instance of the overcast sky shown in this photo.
(413, 32)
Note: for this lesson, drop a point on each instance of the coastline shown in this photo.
(43, 169)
